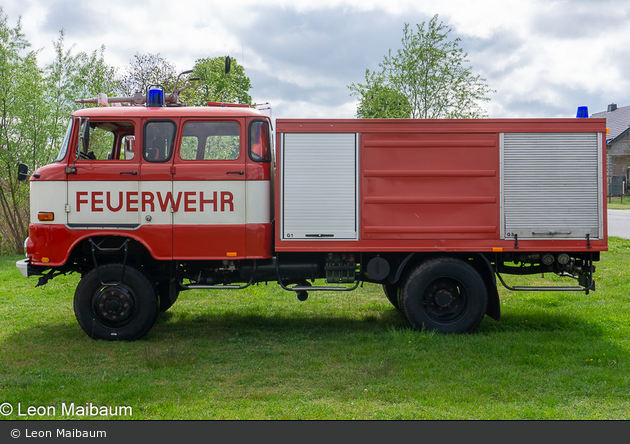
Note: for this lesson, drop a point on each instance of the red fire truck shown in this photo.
(146, 201)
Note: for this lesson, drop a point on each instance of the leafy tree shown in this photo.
(70, 77)
(93, 75)
(60, 97)
(431, 72)
(35, 105)
(214, 85)
(21, 86)
(380, 101)
(145, 70)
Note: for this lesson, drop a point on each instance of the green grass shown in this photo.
(262, 354)
(618, 203)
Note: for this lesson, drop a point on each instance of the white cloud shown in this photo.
(544, 58)
(304, 110)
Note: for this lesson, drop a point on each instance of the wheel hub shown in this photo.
(115, 304)
(443, 298)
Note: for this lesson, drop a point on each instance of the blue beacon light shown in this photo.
(582, 112)
(155, 96)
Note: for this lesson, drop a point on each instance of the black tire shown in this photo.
(166, 295)
(391, 291)
(122, 312)
(446, 295)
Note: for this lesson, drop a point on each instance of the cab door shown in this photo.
(157, 202)
(209, 187)
(102, 192)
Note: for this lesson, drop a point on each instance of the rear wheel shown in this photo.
(446, 295)
(123, 309)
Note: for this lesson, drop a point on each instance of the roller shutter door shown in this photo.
(319, 186)
(551, 185)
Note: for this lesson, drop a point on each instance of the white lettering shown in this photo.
(76, 433)
(40, 410)
(95, 410)
(131, 201)
(67, 410)
(37, 433)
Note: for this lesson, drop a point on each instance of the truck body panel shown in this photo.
(456, 185)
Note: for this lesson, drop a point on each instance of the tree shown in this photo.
(431, 72)
(21, 87)
(380, 101)
(60, 97)
(145, 70)
(35, 105)
(214, 85)
(70, 77)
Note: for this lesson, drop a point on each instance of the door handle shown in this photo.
(240, 173)
(133, 173)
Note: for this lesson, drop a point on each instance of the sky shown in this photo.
(544, 58)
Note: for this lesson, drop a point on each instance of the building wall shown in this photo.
(619, 157)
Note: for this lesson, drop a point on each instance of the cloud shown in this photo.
(544, 58)
(78, 18)
(312, 56)
(579, 20)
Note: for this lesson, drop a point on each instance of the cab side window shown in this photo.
(158, 141)
(260, 141)
(106, 141)
(210, 141)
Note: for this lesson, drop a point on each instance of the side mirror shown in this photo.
(130, 147)
(22, 174)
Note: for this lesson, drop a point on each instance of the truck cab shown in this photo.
(157, 185)
(161, 177)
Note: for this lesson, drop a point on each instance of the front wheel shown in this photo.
(125, 308)
(391, 292)
(167, 293)
(446, 295)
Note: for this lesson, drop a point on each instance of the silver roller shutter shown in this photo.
(319, 186)
(551, 185)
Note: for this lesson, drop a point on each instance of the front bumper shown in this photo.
(23, 266)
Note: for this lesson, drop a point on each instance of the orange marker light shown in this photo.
(46, 216)
(497, 249)
(231, 254)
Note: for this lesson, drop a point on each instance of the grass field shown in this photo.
(618, 203)
(262, 354)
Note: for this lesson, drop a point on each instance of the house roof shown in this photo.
(618, 121)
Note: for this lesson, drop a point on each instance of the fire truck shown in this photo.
(148, 200)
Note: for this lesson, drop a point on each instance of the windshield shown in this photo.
(64, 146)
